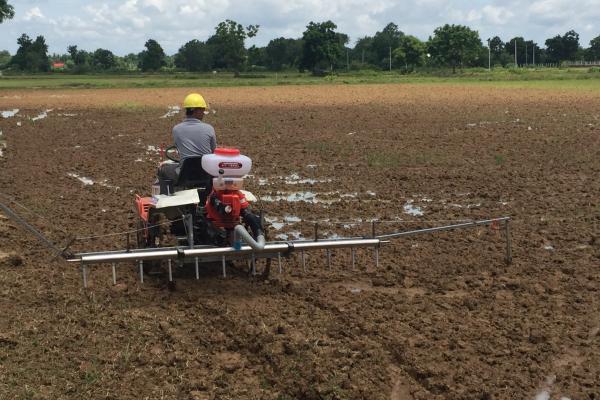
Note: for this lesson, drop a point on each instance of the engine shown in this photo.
(226, 204)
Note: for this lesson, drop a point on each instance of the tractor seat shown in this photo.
(192, 175)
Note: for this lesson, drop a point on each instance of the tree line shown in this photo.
(320, 49)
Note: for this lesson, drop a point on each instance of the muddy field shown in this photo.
(443, 317)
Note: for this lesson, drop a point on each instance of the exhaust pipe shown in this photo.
(241, 232)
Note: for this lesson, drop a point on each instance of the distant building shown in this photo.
(58, 65)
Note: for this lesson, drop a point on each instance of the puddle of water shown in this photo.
(370, 193)
(295, 179)
(277, 225)
(467, 206)
(152, 148)
(309, 197)
(173, 110)
(548, 247)
(411, 209)
(86, 181)
(42, 115)
(9, 113)
(325, 198)
(294, 235)
(292, 218)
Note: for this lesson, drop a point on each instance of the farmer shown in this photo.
(192, 136)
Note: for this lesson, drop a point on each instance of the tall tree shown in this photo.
(282, 52)
(103, 59)
(410, 52)
(194, 56)
(388, 38)
(363, 51)
(454, 45)
(593, 52)
(496, 46)
(153, 58)
(322, 46)
(79, 57)
(4, 58)
(554, 48)
(561, 48)
(227, 44)
(32, 55)
(257, 57)
(570, 44)
(6, 11)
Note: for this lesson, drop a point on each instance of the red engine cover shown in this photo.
(233, 202)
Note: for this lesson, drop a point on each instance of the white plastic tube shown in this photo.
(257, 244)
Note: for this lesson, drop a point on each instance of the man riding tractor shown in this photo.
(192, 137)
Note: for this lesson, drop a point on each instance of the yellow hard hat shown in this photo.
(194, 100)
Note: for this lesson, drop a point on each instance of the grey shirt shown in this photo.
(194, 138)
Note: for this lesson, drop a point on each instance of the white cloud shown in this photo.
(497, 15)
(33, 13)
(550, 10)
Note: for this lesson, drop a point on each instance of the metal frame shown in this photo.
(203, 254)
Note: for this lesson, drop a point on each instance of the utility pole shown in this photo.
(489, 56)
(525, 53)
(390, 58)
(516, 65)
(533, 54)
(347, 61)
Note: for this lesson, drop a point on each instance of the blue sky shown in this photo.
(124, 26)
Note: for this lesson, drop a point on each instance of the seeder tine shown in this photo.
(377, 257)
(196, 267)
(279, 261)
(141, 271)
(114, 273)
(169, 264)
(303, 260)
(84, 274)
(224, 266)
